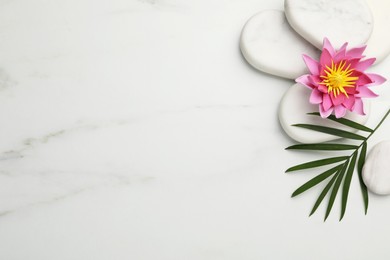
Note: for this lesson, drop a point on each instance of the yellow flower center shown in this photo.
(338, 77)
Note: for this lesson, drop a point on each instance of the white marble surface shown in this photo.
(339, 20)
(293, 109)
(136, 130)
(270, 45)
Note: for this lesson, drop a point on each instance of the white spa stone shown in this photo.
(376, 170)
(339, 20)
(378, 45)
(293, 109)
(270, 45)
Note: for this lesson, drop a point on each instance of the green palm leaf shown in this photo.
(323, 147)
(317, 163)
(331, 131)
(346, 122)
(340, 171)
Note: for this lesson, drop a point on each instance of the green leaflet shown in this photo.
(317, 163)
(335, 189)
(323, 194)
(346, 122)
(347, 184)
(316, 180)
(331, 131)
(363, 187)
(323, 147)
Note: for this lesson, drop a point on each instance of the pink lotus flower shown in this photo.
(338, 80)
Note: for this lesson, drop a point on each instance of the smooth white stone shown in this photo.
(378, 45)
(270, 45)
(293, 109)
(376, 170)
(339, 20)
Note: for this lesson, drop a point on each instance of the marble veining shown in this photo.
(32, 142)
(111, 180)
(82, 127)
(5, 80)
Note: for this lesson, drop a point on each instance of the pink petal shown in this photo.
(349, 102)
(323, 89)
(304, 80)
(316, 97)
(311, 64)
(366, 92)
(353, 63)
(343, 48)
(363, 79)
(315, 79)
(358, 108)
(340, 55)
(325, 113)
(327, 45)
(326, 58)
(337, 100)
(376, 79)
(340, 111)
(363, 65)
(356, 52)
(326, 102)
(351, 91)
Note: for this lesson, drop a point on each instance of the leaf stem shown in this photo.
(376, 128)
(380, 123)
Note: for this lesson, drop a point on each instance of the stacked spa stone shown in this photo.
(273, 42)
